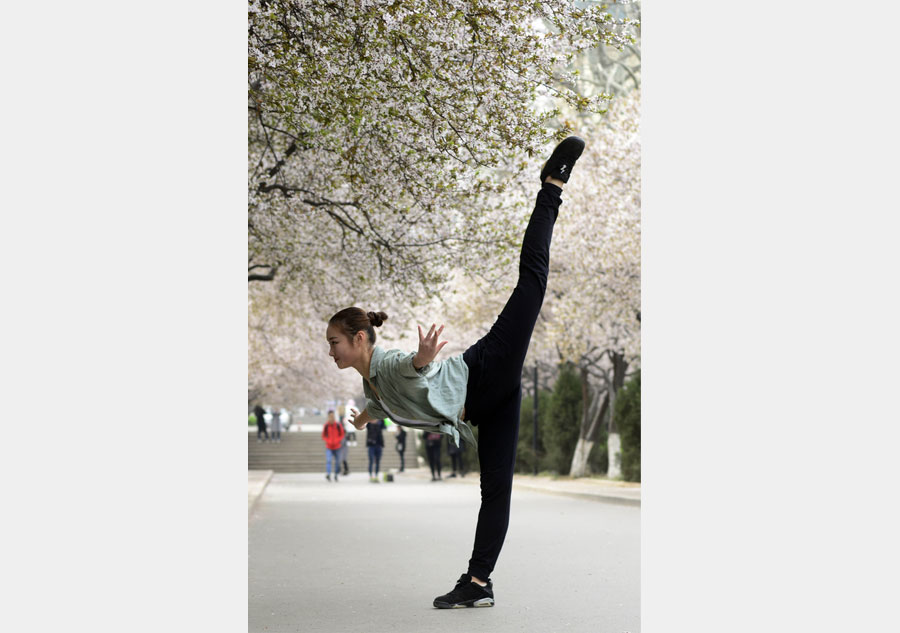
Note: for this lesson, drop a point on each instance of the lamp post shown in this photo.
(534, 435)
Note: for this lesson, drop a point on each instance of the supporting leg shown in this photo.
(497, 443)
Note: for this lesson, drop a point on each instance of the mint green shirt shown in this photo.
(431, 398)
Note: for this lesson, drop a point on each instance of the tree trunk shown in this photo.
(580, 466)
(267, 276)
(614, 442)
(595, 404)
(614, 446)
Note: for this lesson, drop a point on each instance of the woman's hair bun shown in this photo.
(376, 318)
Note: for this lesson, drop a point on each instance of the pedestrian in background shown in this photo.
(456, 453)
(260, 414)
(375, 444)
(269, 420)
(433, 450)
(351, 430)
(401, 445)
(333, 434)
(276, 426)
(344, 443)
(351, 433)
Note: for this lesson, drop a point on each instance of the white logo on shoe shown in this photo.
(562, 169)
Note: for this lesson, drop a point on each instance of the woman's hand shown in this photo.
(428, 346)
(357, 419)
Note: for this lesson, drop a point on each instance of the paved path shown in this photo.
(356, 556)
(585, 488)
(256, 484)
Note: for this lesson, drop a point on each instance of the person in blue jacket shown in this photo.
(482, 385)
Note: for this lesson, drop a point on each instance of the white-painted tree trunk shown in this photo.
(614, 444)
(596, 402)
(580, 466)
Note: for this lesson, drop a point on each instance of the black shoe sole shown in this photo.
(564, 156)
(476, 602)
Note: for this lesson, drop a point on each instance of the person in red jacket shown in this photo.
(333, 434)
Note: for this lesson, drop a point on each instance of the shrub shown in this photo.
(564, 420)
(525, 456)
(628, 420)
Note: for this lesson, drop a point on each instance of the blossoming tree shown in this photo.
(387, 126)
(594, 290)
(385, 137)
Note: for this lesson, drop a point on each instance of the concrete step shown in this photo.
(300, 452)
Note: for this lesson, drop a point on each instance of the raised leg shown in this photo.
(495, 361)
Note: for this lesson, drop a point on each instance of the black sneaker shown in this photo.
(563, 158)
(467, 594)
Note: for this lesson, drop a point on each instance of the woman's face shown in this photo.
(341, 348)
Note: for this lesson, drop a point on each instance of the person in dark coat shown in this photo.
(401, 444)
(456, 453)
(260, 414)
(433, 450)
(375, 444)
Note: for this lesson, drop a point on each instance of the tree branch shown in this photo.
(269, 276)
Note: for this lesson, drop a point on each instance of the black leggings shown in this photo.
(494, 390)
(374, 456)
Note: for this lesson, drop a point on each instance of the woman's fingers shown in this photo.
(430, 340)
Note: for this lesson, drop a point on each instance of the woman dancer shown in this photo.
(482, 385)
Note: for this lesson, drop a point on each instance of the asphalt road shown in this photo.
(356, 556)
